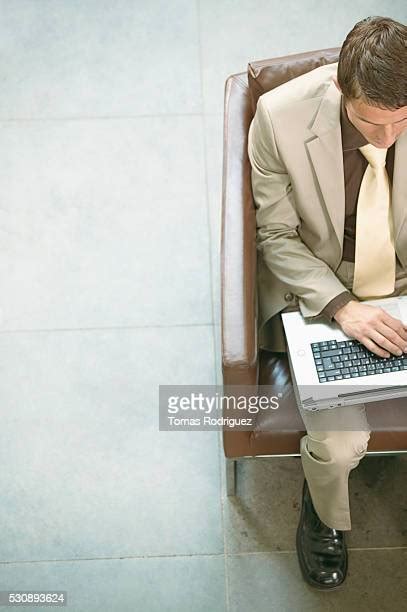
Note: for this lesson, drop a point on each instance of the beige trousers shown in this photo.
(336, 441)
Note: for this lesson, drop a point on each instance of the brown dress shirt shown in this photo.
(354, 165)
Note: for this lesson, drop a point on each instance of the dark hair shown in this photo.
(372, 64)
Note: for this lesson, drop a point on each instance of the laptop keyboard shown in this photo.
(337, 360)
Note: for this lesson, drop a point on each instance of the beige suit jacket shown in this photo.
(295, 150)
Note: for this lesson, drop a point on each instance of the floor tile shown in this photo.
(172, 584)
(85, 470)
(378, 500)
(101, 226)
(264, 514)
(87, 58)
(273, 581)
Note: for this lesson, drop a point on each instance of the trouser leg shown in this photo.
(336, 441)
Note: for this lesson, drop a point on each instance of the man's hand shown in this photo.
(373, 327)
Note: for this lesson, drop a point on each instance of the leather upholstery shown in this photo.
(264, 75)
(279, 431)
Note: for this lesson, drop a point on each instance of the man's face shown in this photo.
(381, 127)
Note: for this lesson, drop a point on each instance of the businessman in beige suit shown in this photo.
(323, 148)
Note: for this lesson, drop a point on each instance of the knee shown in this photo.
(342, 447)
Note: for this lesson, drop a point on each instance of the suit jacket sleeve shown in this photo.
(279, 225)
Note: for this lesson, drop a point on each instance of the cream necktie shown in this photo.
(375, 257)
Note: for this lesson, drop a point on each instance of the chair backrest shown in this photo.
(267, 74)
(238, 236)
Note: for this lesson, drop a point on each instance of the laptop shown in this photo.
(329, 369)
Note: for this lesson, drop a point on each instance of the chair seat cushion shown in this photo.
(279, 431)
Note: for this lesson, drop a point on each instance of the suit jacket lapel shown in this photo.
(327, 158)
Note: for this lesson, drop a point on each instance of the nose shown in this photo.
(387, 135)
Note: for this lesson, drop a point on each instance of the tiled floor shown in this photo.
(110, 182)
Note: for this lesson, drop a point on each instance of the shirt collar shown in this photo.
(351, 137)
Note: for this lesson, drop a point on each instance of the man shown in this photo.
(328, 152)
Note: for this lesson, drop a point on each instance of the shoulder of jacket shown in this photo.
(308, 86)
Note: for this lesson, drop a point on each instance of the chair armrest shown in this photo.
(238, 242)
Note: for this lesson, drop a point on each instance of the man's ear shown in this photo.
(335, 80)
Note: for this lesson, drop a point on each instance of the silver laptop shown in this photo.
(330, 369)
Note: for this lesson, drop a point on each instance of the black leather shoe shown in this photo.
(321, 550)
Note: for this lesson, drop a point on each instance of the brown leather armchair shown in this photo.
(243, 362)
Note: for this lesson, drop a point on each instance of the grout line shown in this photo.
(189, 556)
(225, 548)
(222, 507)
(95, 117)
(292, 552)
(102, 328)
(207, 195)
(135, 557)
(212, 288)
(221, 460)
(377, 548)
(208, 217)
(104, 117)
